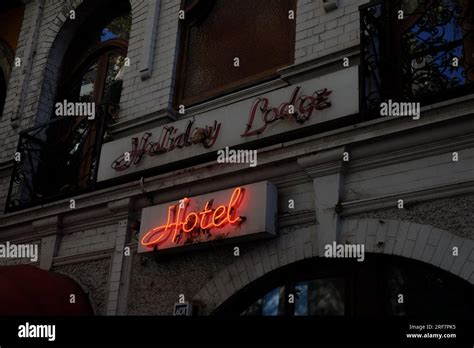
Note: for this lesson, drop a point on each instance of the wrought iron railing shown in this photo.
(58, 159)
(416, 51)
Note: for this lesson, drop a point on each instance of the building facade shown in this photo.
(342, 130)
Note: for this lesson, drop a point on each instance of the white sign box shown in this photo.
(316, 101)
(243, 212)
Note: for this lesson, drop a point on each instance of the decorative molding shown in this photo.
(79, 258)
(87, 224)
(119, 207)
(323, 163)
(46, 224)
(321, 65)
(297, 218)
(412, 153)
(292, 179)
(409, 197)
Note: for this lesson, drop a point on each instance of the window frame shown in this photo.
(246, 82)
(100, 55)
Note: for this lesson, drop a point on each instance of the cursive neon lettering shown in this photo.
(179, 221)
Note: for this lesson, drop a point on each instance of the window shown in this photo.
(321, 297)
(317, 297)
(427, 56)
(93, 68)
(215, 32)
(60, 157)
(343, 287)
(438, 40)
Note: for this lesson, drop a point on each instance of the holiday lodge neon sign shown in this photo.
(181, 222)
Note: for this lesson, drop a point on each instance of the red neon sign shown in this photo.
(179, 221)
(262, 114)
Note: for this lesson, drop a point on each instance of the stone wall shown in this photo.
(93, 277)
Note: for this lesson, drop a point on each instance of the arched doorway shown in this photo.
(344, 287)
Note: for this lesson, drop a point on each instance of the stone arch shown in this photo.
(414, 241)
(62, 32)
(292, 245)
(393, 237)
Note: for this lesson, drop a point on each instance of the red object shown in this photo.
(28, 290)
(303, 106)
(207, 219)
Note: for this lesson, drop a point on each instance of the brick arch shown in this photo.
(393, 237)
(263, 257)
(59, 34)
(420, 242)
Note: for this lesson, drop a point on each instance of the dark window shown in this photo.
(215, 32)
(321, 297)
(317, 297)
(434, 35)
(60, 157)
(427, 56)
(341, 287)
(92, 69)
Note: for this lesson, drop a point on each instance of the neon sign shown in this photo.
(181, 222)
(171, 138)
(303, 108)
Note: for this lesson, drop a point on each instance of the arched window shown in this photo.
(60, 156)
(227, 45)
(93, 64)
(91, 73)
(342, 287)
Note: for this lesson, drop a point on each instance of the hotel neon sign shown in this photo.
(181, 222)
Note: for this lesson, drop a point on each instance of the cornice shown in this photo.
(409, 198)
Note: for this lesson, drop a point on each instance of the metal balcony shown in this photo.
(58, 159)
(416, 51)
